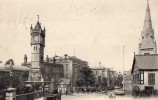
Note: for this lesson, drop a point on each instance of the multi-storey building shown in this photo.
(9, 68)
(71, 67)
(103, 72)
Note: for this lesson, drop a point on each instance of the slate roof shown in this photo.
(147, 61)
(10, 64)
(15, 67)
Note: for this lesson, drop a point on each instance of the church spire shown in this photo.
(38, 18)
(147, 44)
(147, 29)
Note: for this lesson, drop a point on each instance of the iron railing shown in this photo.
(32, 96)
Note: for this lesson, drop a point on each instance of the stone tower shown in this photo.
(148, 43)
(37, 50)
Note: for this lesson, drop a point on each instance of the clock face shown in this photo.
(36, 38)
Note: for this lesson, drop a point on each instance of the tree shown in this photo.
(118, 81)
(104, 81)
(85, 78)
(15, 81)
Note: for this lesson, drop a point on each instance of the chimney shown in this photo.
(47, 59)
(25, 58)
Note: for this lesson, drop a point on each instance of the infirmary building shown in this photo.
(145, 64)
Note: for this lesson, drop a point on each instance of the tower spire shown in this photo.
(147, 35)
(38, 18)
(147, 20)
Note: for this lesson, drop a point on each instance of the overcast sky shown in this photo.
(98, 28)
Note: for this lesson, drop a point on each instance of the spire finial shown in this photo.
(38, 18)
(147, 4)
(31, 26)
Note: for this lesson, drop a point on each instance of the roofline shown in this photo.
(147, 55)
(148, 69)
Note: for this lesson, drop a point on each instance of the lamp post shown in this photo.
(11, 75)
(123, 67)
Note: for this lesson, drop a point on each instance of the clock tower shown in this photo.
(37, 50)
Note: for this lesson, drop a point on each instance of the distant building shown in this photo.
(64, 86)
(19, 71)
(99, 74)
(145, 72)
(71, 67)
(102, 72)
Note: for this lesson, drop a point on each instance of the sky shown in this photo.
(97, 29)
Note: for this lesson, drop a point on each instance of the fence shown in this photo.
(32, 96)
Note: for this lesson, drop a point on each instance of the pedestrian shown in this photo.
(66, 92)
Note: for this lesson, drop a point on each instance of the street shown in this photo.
(97, 96)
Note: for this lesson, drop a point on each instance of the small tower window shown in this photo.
(34, 47)
(66, 67)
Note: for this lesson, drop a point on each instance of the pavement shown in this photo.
(99, 96)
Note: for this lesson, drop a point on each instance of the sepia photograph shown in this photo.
(78, 49)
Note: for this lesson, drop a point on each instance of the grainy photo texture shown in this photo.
(78, 49)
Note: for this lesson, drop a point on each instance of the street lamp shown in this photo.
(11, 74)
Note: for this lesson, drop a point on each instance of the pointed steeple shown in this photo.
(38, 25)
(147, 34)
(147, 29)
(147, 16)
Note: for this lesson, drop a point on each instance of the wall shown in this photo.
(146, 80)
(69, 65)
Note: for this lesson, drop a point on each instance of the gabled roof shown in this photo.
(65, 80)
(146, 62)
(38, 26)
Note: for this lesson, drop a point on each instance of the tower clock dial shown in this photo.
(36, 38)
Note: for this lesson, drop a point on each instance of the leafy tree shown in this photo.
(85, 78)
(15, 81)
(104, 81)
(118, 81)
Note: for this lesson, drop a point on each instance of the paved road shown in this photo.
(96, 96)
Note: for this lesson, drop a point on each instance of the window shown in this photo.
(142, 77)
(66, 67)
(66, 76)
(151, 78)
(136, 79)
(96, 72)
(99, 79)
(18, 74)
